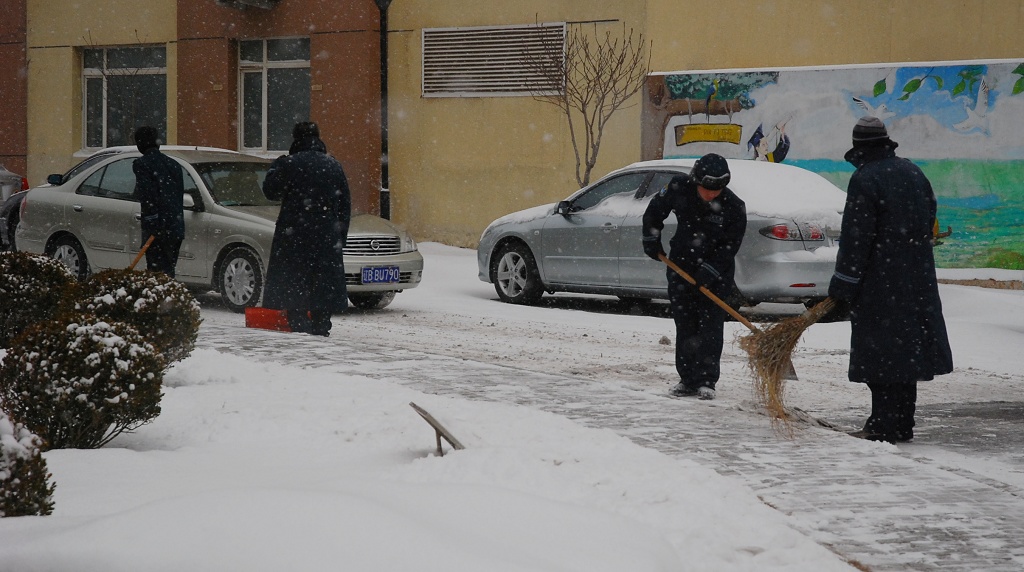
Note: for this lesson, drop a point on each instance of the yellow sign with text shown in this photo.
(708, 132)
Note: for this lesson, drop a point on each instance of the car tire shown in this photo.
(240, 279)
(68, 251)
(515, 275)
(372, 300)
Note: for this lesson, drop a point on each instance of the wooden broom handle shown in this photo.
(739, 317)
(142, 252)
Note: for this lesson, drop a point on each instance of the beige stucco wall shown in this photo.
(456, 164)
(57, 29)
(717, 34)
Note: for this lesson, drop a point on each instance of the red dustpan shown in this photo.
(267, 319)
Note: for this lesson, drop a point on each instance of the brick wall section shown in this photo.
(345, 59)
(13, 87)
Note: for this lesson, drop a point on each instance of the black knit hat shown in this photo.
(305, 129)
(147, 137)
(869, 131)
(711, 172)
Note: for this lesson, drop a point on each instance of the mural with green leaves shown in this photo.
(960, 121)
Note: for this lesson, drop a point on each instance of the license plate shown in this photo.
(380, 274)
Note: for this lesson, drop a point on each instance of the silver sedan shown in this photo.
(591, 242)
(89, 219)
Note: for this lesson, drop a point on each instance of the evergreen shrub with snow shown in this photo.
(80, 381)
(160, 308)
(24, 481)
(32, 288)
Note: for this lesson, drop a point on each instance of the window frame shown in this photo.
(103, 74)
(249, 67)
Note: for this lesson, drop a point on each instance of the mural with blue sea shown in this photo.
(961, 122)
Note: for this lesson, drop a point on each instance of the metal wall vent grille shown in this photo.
(491, 61)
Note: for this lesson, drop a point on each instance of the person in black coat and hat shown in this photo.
(306, 274)
(885, 279)
(711, 222)
(160, 190)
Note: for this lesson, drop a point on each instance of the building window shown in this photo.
(124, 88)
(274, 86)
(491, 61)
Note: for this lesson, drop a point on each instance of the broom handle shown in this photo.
(142, 252)
(739, 317)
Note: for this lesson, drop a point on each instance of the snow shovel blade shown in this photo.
(267, 319)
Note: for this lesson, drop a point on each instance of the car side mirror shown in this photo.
(188, 203)
(55, 179)
(562, 208)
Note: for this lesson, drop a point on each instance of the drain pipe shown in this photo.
(385, 183)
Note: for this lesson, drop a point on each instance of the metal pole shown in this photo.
(385, 183)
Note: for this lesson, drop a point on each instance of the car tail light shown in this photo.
(781, 232)
(24, 183)
(22, 208)
(793, 232)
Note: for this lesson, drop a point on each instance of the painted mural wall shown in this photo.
(961, 122)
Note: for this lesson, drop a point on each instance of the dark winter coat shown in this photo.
(708, 233)
(886, 270)
(307, 269)
(160, 189)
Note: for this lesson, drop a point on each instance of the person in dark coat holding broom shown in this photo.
(711, 222)
(160, 190)
(885, 278)
(306, 274)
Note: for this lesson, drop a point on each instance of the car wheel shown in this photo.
(371, 301)
(12, 226)
(68, 251)
(516, 279)
(240, 279)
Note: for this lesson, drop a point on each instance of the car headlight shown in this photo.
(408, 243)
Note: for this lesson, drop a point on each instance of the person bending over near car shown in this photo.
(160, 190)
(711, 222)
(306, 274)
(885, 279)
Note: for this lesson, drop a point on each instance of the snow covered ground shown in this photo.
(316, 462)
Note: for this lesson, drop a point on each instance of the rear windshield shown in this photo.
(236, 184)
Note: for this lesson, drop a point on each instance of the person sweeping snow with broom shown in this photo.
(711, 222)
(885, 278)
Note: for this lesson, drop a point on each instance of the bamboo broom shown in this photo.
(770, 355)
(771, 367)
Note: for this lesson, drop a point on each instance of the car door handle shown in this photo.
(138, 216)
(78, 208)
(608, 227)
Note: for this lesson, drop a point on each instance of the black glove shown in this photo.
(839, 313)
(652, 247)
(704, 277)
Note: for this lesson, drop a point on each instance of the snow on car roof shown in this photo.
(774, 189)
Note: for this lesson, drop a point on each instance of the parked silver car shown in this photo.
(89, 219)
(11, 188)
(591, 242)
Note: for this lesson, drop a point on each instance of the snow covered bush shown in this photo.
(31, 290)
(80, 381)
(160, 308)
(24, 484)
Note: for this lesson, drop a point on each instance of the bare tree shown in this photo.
(589, 80)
